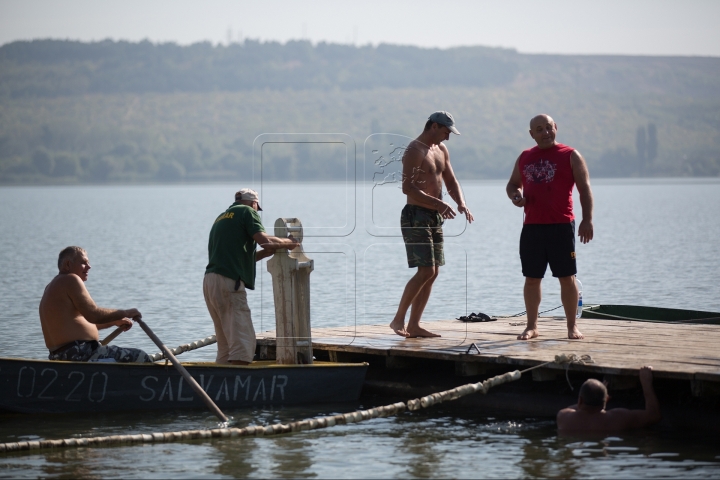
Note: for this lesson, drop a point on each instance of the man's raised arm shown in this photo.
(651, 414)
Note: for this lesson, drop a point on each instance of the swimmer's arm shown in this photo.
(84, 304)
(623, 418)
(651, 414)
(514, 187)
(453, 187)
(413, 181)
(582, 182)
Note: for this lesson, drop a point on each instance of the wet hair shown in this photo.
(593, 393)
(69, 253)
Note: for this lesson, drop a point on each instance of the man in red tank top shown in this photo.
(542, 183)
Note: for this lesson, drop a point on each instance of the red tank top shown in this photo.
(548, 182)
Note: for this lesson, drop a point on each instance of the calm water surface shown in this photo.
(655, 244)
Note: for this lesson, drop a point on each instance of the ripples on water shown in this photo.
(655, 244)
(428, 444)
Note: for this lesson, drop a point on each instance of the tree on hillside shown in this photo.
(641, 146)
(43, 161)
(66, 165)
(652, 144)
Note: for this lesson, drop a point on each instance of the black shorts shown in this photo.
(542, 244)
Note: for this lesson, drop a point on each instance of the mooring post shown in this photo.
(290, 271)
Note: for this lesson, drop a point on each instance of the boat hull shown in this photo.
(649, 314)
(44, 386)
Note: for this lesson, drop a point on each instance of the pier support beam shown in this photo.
(621, 382)
(394, 362)
(544, 375)
(702, 388)
(291, 290)
(469, 369)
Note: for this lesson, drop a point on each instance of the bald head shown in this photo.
(541, 119)
(593, 393)
(543, 130)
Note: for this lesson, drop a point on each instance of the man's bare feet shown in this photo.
(574, 333)
(418, 332)
(528, 333)
(399, 328)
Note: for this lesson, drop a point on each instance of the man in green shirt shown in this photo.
(232, 253)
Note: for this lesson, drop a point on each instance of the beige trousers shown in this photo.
(231, 315)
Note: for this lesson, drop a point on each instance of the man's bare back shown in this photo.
(68, 312)
(586, 418)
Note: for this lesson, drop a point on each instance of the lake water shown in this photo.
(656, 243)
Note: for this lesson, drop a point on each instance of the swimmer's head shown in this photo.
(593, 393)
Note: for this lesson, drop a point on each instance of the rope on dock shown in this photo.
(186, 347)
(572, 358)
(278, 429)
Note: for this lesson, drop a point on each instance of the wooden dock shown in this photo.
(677, 351)
(685, 360)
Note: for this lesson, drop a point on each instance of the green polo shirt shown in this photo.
(231, 248)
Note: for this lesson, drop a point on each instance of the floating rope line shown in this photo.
(279, 429)
(186, 347)
(254, 431)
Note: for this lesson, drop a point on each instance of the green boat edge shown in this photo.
(639, 313)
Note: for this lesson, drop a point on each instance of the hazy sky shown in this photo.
(646, 27)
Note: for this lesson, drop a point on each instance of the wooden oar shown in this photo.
(112, 336)
(188, 378)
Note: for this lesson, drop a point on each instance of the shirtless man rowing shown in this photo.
(426, 165)
(70, 319)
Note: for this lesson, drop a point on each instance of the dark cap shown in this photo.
(444, 118)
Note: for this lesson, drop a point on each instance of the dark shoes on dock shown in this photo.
(476, 317)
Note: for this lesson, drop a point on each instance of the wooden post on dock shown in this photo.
(291, 290)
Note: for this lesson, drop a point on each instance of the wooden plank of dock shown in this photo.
(678, 351)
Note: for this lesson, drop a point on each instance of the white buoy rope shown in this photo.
(253, 431)
(186, 347)
(279, 429)
(462, 391)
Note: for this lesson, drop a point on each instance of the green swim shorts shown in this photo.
(423, 236)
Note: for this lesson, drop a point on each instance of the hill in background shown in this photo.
(123, 112)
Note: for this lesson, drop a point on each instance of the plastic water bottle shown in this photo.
(579, 287)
